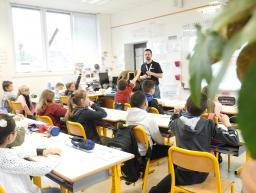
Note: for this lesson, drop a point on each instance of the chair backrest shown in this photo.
(1, 189)
(9, 102)
(126, 106)
(75, 128)
(211, 116)
(153, 110)
(64, 100)
(195, 161)
(141, 136)
(45, 119)
(17, 106)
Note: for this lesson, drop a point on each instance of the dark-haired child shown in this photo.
(148, 88)
(137, 115)
(195, 133)
(15, 170)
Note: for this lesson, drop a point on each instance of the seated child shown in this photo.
(148, 88)
(48, 107)
(24, 99)
(195, 133)
(124, 91)
(137, 115)
(8, 94)
(72, 86)
(58, 91)
(15, 171)
(84, 111)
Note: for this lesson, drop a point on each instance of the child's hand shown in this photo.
(225, 120)
(178, 109)
(51, 151)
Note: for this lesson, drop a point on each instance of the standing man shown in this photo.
(151, 70)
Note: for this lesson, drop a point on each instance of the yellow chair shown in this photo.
(200, 162)
(17, 106)
(45, 119)
(126, 106)
(9, 103)
(102, 131)
(153, 110)
(64, 100)
(1, 189)
(76, 129)
(141, 137)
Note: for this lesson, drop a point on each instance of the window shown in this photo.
(28, 40)
(53, 41)
(59, 41)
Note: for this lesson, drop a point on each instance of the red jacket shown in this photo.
(55, 111)
(123, 96)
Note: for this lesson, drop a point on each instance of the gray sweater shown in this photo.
(196, 133)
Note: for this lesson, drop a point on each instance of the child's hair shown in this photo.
(138, 99)
(59, 84)
(148, 85)
(46, 98)
(122, 84)
(75, 102)
(6, 84)
(68, 85)
(22, 89)
(193, 109)
(7, 126)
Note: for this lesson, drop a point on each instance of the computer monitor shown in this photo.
(114, 80)
(103, 78)
(131, 75)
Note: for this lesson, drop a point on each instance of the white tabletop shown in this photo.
(171, 103)
(77, 164)
(114, 115)
(230, 110)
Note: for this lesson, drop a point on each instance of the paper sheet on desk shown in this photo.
(106, 153)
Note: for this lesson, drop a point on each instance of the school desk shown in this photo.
(170, 104)
(229, 110)
(79, 169)
(163, 121)
(114, 116)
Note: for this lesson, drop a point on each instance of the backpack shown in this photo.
(125, 140)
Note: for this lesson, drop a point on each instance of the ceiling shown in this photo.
(110, 6)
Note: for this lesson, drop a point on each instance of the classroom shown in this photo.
(127, 96)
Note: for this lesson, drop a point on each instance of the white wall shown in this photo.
(126, 29)
(38, 81)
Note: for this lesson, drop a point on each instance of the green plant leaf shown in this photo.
(245, 35)
(247, 109)
(199, 66)
(234, 11)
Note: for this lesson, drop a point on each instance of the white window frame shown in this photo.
(43, 11)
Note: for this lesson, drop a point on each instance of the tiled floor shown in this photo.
(160, 172)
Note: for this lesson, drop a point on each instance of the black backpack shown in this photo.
(125, 140)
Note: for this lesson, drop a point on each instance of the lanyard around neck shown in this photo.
(148, 69)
